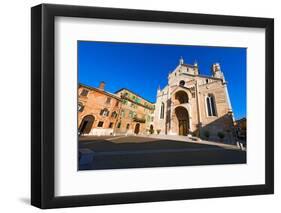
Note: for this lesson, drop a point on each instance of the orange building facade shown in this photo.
(122, 113)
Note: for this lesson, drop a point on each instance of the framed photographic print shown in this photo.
(139, 106)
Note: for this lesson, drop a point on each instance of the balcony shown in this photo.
(138, 119)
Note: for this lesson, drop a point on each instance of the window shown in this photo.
(84, 92)
(162, 111)
(100, 124)
(80, 107)
(123, 113)
(110, 125)
(128, 126)
(114, 114)
(119, 125)
(108, 100)
(104, 112)
(133, 105)
(148, 118)
(193, 95)
(210, 102)
(117, 103)
(182, 83)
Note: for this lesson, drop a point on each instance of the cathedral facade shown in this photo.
(194, 104)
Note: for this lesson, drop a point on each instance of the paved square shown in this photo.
(115, 152)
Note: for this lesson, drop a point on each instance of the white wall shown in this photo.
(15, 107)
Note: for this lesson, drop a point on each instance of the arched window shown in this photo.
(104, 112)
(210, 103)
(162, 111)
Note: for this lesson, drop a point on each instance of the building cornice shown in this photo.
(202, 76)
(101, 91)
(134, 94)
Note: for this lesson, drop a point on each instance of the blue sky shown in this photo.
(143, 67)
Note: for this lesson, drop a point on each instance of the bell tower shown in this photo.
(181, 61)
(217, 73)
(196, 69)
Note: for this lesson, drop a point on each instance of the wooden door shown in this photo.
(183, 127)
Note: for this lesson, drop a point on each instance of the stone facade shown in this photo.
(241, 129)
(194, 104)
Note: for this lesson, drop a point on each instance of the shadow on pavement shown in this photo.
(103, 154)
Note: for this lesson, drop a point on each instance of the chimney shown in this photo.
(102, 85)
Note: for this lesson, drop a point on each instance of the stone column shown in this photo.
(198, 107)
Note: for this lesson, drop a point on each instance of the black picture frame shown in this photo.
(43, 111)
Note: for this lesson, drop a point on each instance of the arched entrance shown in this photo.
(137, 128)
(183, 120)
(86, 124)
